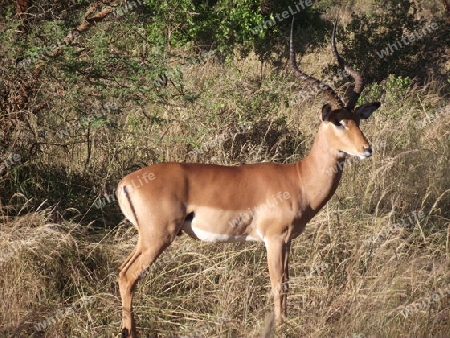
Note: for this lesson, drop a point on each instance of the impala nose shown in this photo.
(368, 150)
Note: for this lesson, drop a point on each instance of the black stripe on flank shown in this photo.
(131, 204)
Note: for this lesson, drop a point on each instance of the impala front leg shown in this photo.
(278, 260)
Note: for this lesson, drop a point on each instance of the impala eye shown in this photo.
(339, 123)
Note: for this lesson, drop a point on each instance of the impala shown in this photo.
(265, 202)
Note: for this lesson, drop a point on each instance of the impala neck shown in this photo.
(320, 171)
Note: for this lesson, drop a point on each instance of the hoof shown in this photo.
(125, 333)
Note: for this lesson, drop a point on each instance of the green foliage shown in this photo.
(202, 23)
(397, 87)
(225, 25)
(371, 93)
(393, 90)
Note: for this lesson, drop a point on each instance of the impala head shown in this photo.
(340, 122)
(341, 129)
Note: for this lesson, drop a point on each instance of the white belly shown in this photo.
(207, 236)
(211, 225)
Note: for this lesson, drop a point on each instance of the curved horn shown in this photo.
(336, 101)
(356, 75)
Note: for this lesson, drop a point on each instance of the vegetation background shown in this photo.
(193, 81)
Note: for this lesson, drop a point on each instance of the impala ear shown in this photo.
(367, 109)
(326, 112)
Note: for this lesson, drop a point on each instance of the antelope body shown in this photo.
(266, 202)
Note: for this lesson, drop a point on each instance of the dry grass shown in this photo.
(201, 290)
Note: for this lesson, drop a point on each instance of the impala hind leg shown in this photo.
(142, 257)
(278, 260)
(129, 258)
